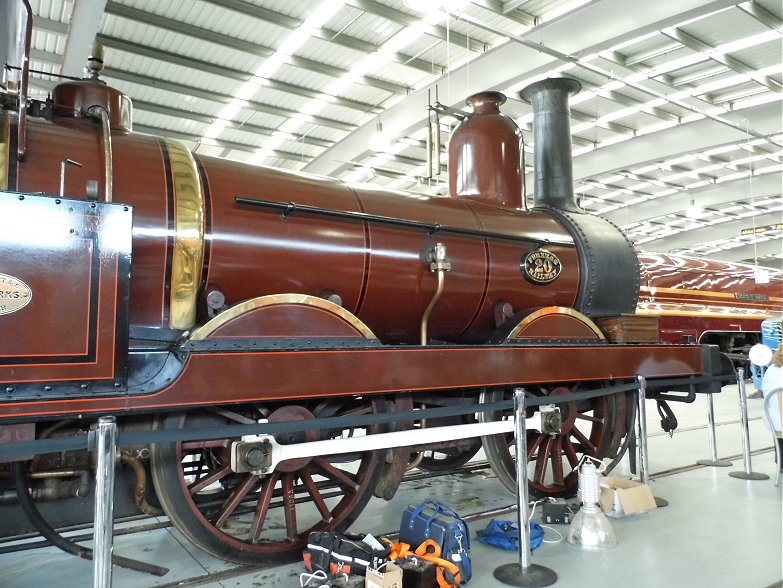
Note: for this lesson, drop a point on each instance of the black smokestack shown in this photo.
(552, 142)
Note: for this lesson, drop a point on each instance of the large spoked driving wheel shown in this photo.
(245, 517)
(589, 427)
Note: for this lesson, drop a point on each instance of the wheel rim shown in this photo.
(241, 516)
(588, 429)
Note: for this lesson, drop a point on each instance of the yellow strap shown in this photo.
(430, 551)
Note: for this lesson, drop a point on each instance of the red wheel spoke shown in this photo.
(336, 474)
(202, 483)
(570, 453)
(534, 446)
(289, 506)
(242, 521)
(583, 440)
(557, 462)
(326, 514)
(542, 460)
(591, 418)
(262, 508)
(233, 501)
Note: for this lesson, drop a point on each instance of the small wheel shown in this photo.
(246, 518)
(587, 429)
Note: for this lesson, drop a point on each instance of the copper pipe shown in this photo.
(101, 113)
(21, 144)
(108, 164)
(438, 264)
(141, 486)
(53, 474)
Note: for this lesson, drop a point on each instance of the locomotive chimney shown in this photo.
(484, 154)
(552, 142)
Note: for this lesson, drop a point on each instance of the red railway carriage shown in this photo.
(178, 291)
(708, 301)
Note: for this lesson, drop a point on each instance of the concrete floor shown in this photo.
(717, 531)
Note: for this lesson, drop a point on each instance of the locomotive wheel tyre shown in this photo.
(546, 452)
(237, 521)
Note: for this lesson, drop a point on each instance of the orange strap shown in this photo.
(447, 572)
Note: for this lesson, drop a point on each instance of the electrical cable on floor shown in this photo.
(533, 511)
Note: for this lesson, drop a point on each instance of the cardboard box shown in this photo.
(389, 577)
(620, 498)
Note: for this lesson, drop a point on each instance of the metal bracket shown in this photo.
(551, 420)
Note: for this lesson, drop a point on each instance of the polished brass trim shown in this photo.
(555, 310)
(272, 300)
(188, 255)
(5, 149)
(14, 294)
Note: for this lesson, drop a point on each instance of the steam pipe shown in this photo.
(141, 486)
(108, 164)
(439, 265)
(21, 150)
(552, 137)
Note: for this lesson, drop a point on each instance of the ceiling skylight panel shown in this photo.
(750, 41)
(675, 64)
(765, 98)
(720, 84)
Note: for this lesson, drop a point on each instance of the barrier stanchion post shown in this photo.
(644, 462)
(524, 573)
(747, 474)
(713, 461)
(105, 449)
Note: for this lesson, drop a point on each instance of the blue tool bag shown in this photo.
(439, 522)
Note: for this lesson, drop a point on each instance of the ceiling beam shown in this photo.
(179, 27)
(748, 253)
(186, 90)
(223, 143)
(590, 29)
(337, 37)
(85, 23)
(409, 20)
(50, 26)
(762, 15)
(207, 119)
(498, 7)
(709, 233)
(768, 185)
(732, 63)
(226, 72)
(680, 140)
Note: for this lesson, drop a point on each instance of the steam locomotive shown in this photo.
(140, 280)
